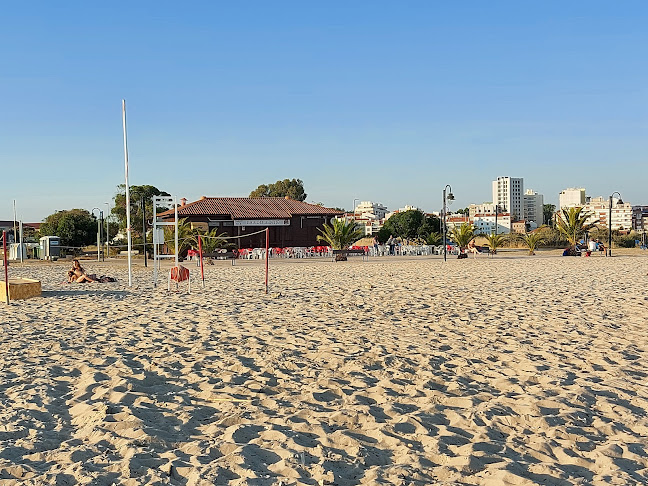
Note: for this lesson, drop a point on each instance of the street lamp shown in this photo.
(98, 232)
(619, 201)
(107, 232)
(496, 211)
(449, 197)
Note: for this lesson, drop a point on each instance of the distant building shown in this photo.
(508, 195)
(484, 208)
(402, 210)
(519, 227)
(571, 197)
(533, 207)
(600, 206)
(484, 223)
(376, 210)
(640, 218)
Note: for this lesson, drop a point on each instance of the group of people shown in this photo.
(391, 242)
(587, 249)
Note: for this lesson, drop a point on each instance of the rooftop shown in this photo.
(251, 208)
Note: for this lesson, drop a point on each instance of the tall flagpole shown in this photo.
(128, 218)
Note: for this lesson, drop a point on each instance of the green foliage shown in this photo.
(294, 189)
(212, 240)
(572, 225)
(465, 211)
(136, 194)
(495, 241)
(462, 234)
(186, 237)
(532, 240)
(75, 227)
(548, 211)
(411, 225)
(340, 234)
(434, 238)
(625, 241)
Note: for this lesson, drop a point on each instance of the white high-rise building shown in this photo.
(533, 207)
(571, 197)
(366, 208)
(508, 195)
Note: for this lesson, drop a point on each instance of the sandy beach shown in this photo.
(510, 370)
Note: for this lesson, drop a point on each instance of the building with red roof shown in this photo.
(292, 223)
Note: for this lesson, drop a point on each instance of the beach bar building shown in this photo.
(292, 223)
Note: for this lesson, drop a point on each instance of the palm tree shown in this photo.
(186, 236)
(462, 234)
(494, 242)
(532, 240)
(433, 238)
(212, 240)
(573, 224)
(340, 234)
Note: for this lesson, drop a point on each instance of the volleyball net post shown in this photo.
(200, 255)
(267, 255)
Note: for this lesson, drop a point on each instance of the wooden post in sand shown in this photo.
(267, 255)
(4, 253)
(200, 255)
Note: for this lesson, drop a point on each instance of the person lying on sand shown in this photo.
(78, 274)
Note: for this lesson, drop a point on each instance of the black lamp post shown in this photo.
(619, 201)
(496, 211)
(449, 197)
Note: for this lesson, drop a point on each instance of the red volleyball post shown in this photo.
(4, 252)
(202, 270)
(267, 256)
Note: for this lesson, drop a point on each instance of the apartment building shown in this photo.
(508, 194)
(571, 197)
(533, 207)
(600, 207)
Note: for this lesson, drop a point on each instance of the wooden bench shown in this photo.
(364, 254)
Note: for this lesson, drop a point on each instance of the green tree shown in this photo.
(75, 227)
(573, 225)
(136, 194)
(462, 234)
(548, 211)
(532, 240)
(340, 234)
(293, 188)
(465, 211)
(412, 224)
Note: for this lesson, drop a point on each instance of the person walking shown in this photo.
(392, 243)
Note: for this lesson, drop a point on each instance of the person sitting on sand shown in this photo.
(78, 274)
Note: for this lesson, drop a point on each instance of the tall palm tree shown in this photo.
(532, 240)
(573, 224)
(462, 234)
(340, 234)
(494, 242)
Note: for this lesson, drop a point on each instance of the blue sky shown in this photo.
(382, 101)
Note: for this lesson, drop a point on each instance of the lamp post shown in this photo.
(98, 232)
(496, 211)
(449, 197)
(619, 201)
(107, 232)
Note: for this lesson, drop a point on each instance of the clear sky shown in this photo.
(382, 101)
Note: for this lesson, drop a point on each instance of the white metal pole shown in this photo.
(20, 226)
(128, 215)
(15, 234)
